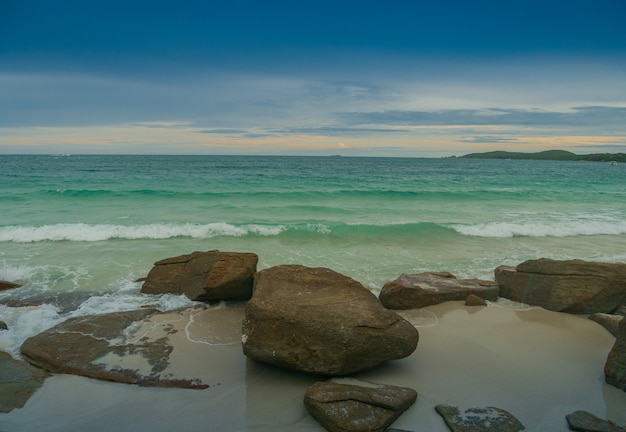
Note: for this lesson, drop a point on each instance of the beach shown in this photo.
(536, 364)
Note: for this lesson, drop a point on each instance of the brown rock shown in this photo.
(425, 289)
(356, 405)
(97, 347)
(615, 366)
(318, 321)
(487, 419)
(474, 300)
(18, 382)
(608, 321)
(583, 421)
(4, 285)
(573, 286)
(204, 276)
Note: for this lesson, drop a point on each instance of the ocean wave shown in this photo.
(155, 231)
(543, 228)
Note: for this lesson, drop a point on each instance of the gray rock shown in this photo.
(487, 419)
(608, 321)
(573, 286)
(583, 421)
(356, 405)
(615, 366)
(411, 291)
(204, 276)
(18, 382)
(3, 326)
(318, 321)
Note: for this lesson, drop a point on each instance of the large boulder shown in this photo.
(488, 419)
(615, 366)
(356, 405)
(204, 276)
(318, 321)
(18, 382)
(573, 286)
(412, 291)
(608, 321)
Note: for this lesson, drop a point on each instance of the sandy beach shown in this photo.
(538, 365)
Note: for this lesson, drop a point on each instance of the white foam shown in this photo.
(25, 322)
(100, 232)
(562, 228)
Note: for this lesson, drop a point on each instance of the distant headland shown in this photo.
(550, 155)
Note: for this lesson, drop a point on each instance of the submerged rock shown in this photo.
(583, 421)
(5, 285)
(487, 419)
(615, 366)
(18, 382)
(411, 291)
(357, 406)
(204, 276)
(608, 321)
(573, 286)
(3, 326)
(318, 321)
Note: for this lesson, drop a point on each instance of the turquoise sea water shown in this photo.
(77, 231)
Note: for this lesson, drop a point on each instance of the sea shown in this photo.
(78, 231)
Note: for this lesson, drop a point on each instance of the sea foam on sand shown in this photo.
(536, 364)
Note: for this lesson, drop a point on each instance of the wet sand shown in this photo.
(538, 365)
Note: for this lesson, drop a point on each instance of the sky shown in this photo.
(367, 78)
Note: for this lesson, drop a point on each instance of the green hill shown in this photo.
(549, 155)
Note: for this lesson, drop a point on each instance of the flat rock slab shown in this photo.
(184, 348)
(615, 366)
(204, 276)
(352, 405)
(18, 382)
(487, 419)
(583, 421)
(573, 286)
(412, 291)
(317, 321)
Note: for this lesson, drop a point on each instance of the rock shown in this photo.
(18, 382)
(615, 366)
(573, 286)
(4, 285)
(425, 289)
(585, 422)
(318, 321)
(204, 276)
(474, 300)
(105, 347)
(608, 321)
(487, 419)
(3, 326)
(356, 405)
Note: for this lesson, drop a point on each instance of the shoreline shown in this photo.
(536, 364)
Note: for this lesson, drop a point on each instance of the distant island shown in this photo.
(550, 155)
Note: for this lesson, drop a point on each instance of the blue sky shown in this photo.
(395, 78)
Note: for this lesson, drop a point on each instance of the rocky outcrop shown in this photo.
(583, 421)
(615, 366)
(411, 291)
(107, 347)
(204, 276)
(356, 405)
(608, 321)
(573, 286)
(18, 382)
(318, 321)
(487, 419)
(4, 285)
